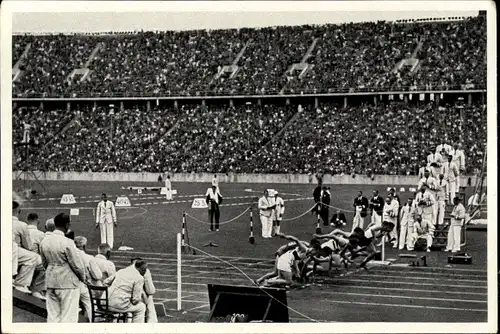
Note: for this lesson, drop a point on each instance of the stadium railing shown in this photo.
(302, 93)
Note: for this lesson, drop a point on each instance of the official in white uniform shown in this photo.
(278, 213)
(168, 187)
(442, 194)
(457, 220)
(92, 273)
(407, 219)
(451, 173)
(425, 204)
(390, 215)
(431, 183)
(434, 162)
(459, 160)
(215, 182)
(447, 148)
(125, 291)
(64, 271)
(266, 212)
(26, 259)
(105, 219)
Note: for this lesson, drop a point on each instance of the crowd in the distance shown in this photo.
(366, 139)
(346, 57)
(52, 264)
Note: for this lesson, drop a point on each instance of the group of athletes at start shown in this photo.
(301, 259)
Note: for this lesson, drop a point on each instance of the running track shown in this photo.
(382, 294)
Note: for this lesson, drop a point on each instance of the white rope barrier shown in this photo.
(299, 216)
(221, 223)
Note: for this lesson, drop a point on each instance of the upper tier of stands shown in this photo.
(372, 56)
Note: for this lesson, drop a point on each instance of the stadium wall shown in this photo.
(226, 178)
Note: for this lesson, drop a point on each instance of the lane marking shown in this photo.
(423, 278)
(419, 283)
(407, 306)
(198, 307)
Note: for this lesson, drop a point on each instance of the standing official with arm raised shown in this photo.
(105, 219)
(214, 199)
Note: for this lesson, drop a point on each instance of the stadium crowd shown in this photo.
(346, 57)
(392, 138)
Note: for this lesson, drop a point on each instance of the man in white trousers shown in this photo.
(407, 219)
(278, 213)
(457, 219)
(431, 184)
(425, 201)
(26, 259)
(442, 194)
(266, 207)
(459, 160)
(215, 182)
(390, 215)
(168, 187)
(92, 273)
(64, 271)
(451, 173)
(105, 219)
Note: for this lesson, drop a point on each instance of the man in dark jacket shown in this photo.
(338, 219)
(213, 199)
(325, 202)
(317, 198)
(360, 204)
(377, 207)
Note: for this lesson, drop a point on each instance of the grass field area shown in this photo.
(441, 293)
(151, 224)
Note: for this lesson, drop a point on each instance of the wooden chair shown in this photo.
(99, 300)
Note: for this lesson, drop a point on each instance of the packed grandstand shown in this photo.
(287, 120)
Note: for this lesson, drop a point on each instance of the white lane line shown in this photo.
(198, 307)
(423, 278)
(408, 297)
(406, 306)
(437, 284)
(72, 207)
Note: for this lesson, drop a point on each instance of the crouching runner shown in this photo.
(287, 260)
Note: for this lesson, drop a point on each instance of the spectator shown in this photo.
(104, 263)
(125, 291)
(149, 291)
(38, 283)
(92, 273)
(64, 273)
(27, 260)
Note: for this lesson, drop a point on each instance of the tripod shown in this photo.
(27, 175)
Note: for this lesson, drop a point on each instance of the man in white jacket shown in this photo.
(407, 218)
(278, 213)
(266, 207)
(441, 198)
(431, 184)
(457, 219)
(425, 201)
(390, 215)
(451, 173)
(105, 219)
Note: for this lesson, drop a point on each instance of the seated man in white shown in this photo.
(125, 291)
(149, 291)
